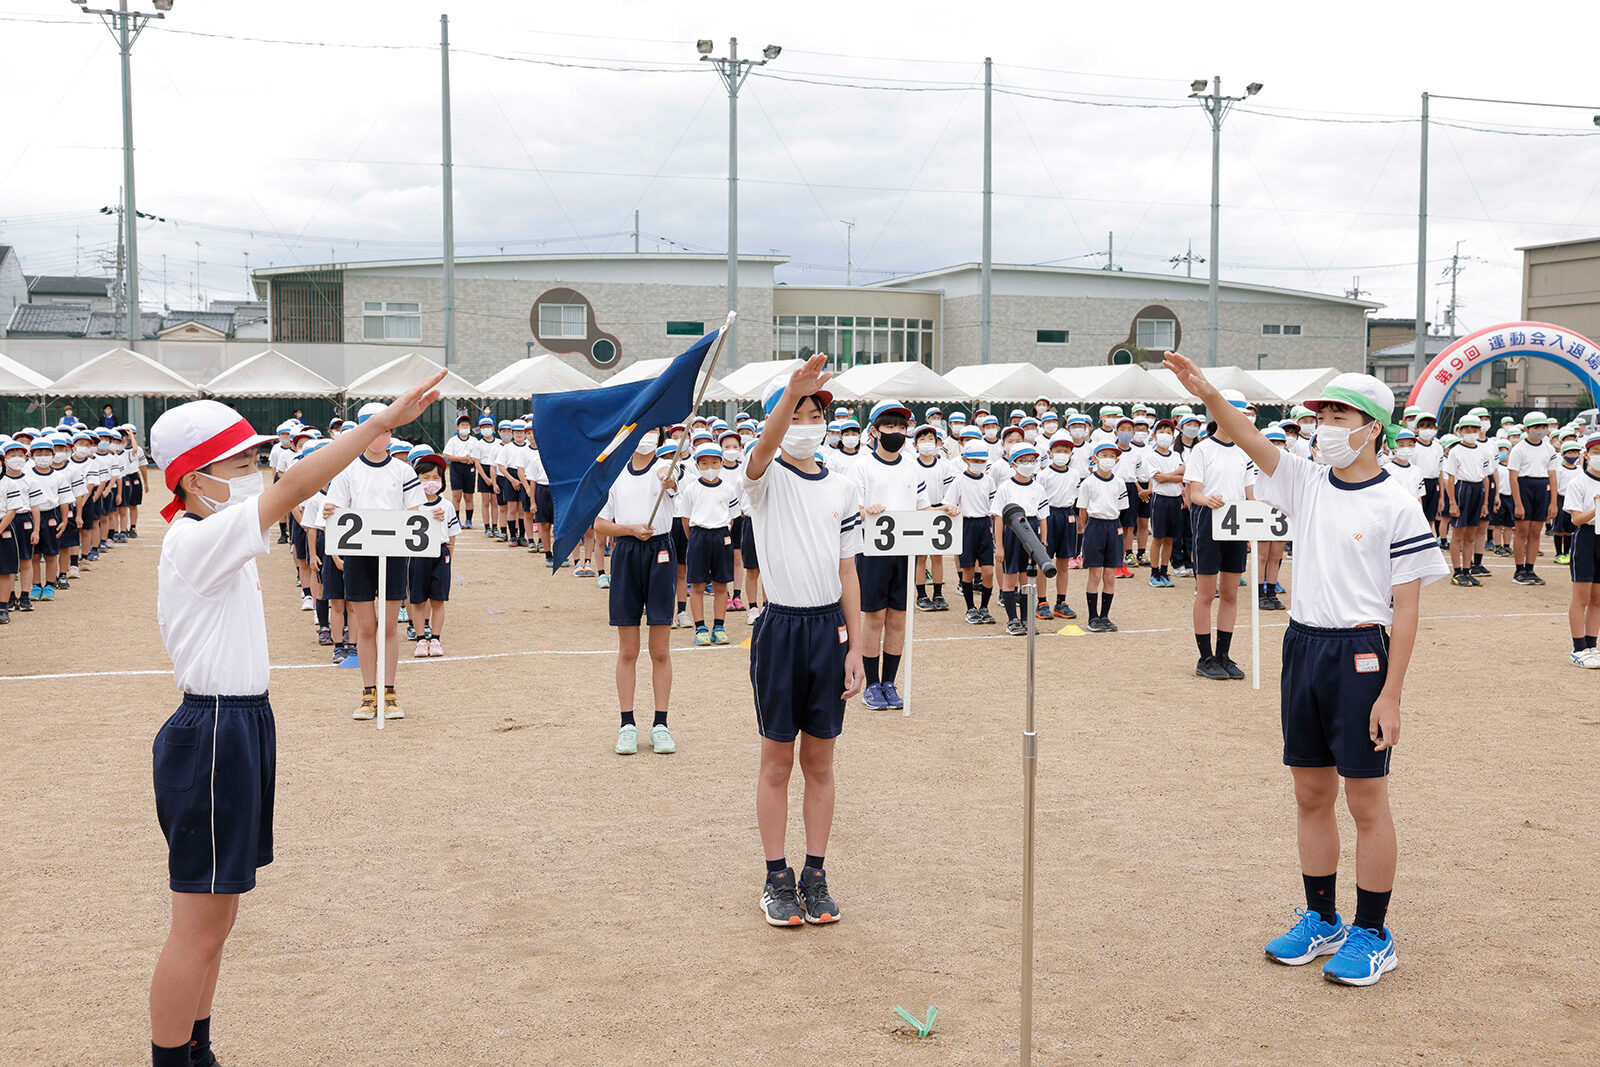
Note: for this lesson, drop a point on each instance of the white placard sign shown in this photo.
(374, 532)
(911, 533)
(1249, 520)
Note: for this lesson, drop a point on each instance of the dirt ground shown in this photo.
(485, 882)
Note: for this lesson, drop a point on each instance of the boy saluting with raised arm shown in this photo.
(1363, 552)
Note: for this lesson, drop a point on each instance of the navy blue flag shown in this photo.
(587, 436)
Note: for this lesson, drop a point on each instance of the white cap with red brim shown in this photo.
(195, 435)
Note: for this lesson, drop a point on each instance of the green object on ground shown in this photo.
(923, 1028)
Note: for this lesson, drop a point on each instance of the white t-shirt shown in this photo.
(1060, 484)
(1583, 492)
(533, 467)
(80, 476)
(208, 602)
(1353, 543)
(1155, 463)
(1033, 497)
(1407, 475)
(938, 475)
(1565, 476)
(1220, 469)
(1103, 498)
(1469, 463)
(451, 521)
(899, 484)
(460, 449)
(1130, 466)
(971, 493)
(633, 495)
(1428, 458)
(804, 524)
(280, 457)
(311, 511)
(391, 484)
(708, 507)
(42, 488)
(15, 495)
(1534, 461)
(1502, 479)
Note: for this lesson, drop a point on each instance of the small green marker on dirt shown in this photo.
(923, 1028)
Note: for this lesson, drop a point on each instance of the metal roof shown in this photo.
(68, 285)
(544, 257)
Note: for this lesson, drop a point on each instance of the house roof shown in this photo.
(1432, 346)
(68, 285)
(653, 257)
(5, 250)
(48, 319)
(76, 320)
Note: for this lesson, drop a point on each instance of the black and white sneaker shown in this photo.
(815, 900)
(779, 901)
(974, 617)
(1480, 570)
(1208, 667)
(924, 604)
(1016, 628)
(1230, 669)
(940, 603)
(1533, 579)
(1520, 577)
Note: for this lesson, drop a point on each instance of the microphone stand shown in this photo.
(1029, 764)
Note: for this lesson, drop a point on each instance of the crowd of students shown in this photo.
(68, 495)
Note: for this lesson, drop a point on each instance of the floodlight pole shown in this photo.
(449, 193)
(988, 209)
(1419, 358)
(1216, 107)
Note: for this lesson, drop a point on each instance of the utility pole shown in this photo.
(119, 293)
(1452, 272)
(449, 192)
(1111, 250)
(988, 208)
(166, 303)
(197, 297)
(1188, 259)
(1217, 107)
(1355, 292)
(1419, 358)
(635, 231)
(733, 72)
(849, 259)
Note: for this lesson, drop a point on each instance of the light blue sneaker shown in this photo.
(628, 740)
(891, 696)
(1307, 939)
(1363, 958)
(604, 580)
(873, 697)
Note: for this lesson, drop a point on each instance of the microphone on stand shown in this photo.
(1016, 521)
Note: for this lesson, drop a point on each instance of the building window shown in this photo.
(1121, 358)
(1158, 334)
(1398, 372)
(1291, 330)
(1473, 377)
(391, 320)
(1271, 330)
(851, 340)
(563, 321)
(686, 329)
(1050, 337)
(603, 353)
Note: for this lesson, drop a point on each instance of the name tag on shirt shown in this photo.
(727, 540)
(1366, 663)
(844, 635)
(661, 557)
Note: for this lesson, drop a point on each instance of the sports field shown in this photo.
(485, 882)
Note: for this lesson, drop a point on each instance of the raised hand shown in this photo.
(1191, 376)
(809, 376)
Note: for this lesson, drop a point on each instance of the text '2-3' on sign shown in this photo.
(911, 533)
(373, 532)
(1249, 520)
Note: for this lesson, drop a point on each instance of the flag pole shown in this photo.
(722, 335)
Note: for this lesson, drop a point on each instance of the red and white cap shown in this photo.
(195, 435)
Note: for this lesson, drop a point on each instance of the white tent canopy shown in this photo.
(748, 382)
(1290, 386)
(120, 372)
(398, 375)
(536, 374)
(270, 374)
(1010, 383)
(652, 368)
(1118, 384)
(18, 380)
(907, 381)
(1224, 377)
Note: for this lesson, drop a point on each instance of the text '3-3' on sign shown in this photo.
(911, 533)
(374, 532)
(1249, 520)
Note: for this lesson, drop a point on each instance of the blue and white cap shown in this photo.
(367, 410)
(707, 451)
(1235, 398)
(1104, 446)
(287, 426)
(1405, 435)
(506, 424)
(398, 445)
(485, 420)
(849, 424)
(888, 407)
(11, 444)
(418, 453)
(666, 450)
(1022, 452)
(1274, 434)
(971, 433)
(1077, 418)
(83, 435)
(975, 455)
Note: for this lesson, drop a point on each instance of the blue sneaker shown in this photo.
(1363, 958)
(1307, 939)
(873, 697)
(891, 696)
(47, 592)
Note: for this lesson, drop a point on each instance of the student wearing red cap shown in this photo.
(215, 758)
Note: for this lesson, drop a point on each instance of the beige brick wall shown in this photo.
(493, 329)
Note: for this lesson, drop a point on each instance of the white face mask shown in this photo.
(833, 438)
(850, 440)
(710, 474)
(1191, 431)
(1469, 437)
(1140, 437)
(1030, 434)
(1049, 429)
(1163, 440)
(1079, 432)
(240, 489)
(1105, 463)
(1404, 453)
(432, 486)
(802, 441)
(43, 462)
(1425, 435)
(461, 432)
(647, 442)
(991, 434)
(927, 447)
(1594, 464)
(731, 455)
(1060, 459)
(487, 433)
(1334, 447)
(82, 451)
(977, 466)
(1027, 467)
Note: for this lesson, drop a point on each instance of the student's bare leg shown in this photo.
(209, 991)
(436, 615)
(364, 625)
(391, 647)
(872, 627)
(1376, 851)
(1061, 576)
(894, 635)
(188, 963)
(816, 763)
(1144, 534)
(628, 662)
(697, 602)
(772, 795)
(936, 568)
(1316, 790)
(660, 664)
(1228, 604)
(719, 600)
(1205, 586)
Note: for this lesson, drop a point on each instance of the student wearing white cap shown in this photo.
(215, 758)
(1468, 481)
(1532, 464)
(1583, 612)
(707, 503)
(18, 516)
(462, 453)
(1363, 552)
(278, 459)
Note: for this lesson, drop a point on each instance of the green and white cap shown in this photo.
(1364, 393)
(1301, 411)
(1412, 410)
(1482, 413)
(1538, 418)
(1469, 422)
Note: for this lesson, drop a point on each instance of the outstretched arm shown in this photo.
(1234, 422)
(806, 379)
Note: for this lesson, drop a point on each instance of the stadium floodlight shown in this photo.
(771, 51)
(1198, 85)
(1250, 90)
(704, 46)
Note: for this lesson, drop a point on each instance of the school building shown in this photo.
(603, 311)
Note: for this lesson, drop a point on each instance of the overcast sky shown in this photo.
(291, 153)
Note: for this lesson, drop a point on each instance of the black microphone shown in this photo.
(1016, 521)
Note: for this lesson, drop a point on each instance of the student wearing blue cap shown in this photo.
(484, 447)
(1102, 502)
(1024, 489)
(279, 459)
(707, 504)
(428, 577)
(461, 451)
(970, 493)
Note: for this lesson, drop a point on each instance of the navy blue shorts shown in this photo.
(1430, 498)
(361, 579)
(9, 561)
(332, 576)
(1562, 525)
(135, 495)
(1469, 504)
(977, 542)
(710, 555)
(1503, 512)
(1061, 533)
(48, 545)
(737, 528)
(24, 528)
(680, 543)
(1535, 493)
(1584, 554)
(644, 581)
(1130, 514)
(1143, 506)
(797, 658)
(747, 547)
(1014, 557)
(504, 492)
(91, 511)
(1166, 516)
(215, 764)
(544, 505)
(67, 537)
(428, 578)
(1211, 556)
(297, 538)
(1102, 544)
(1331, 679)
(883, 582)
(464, 476)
